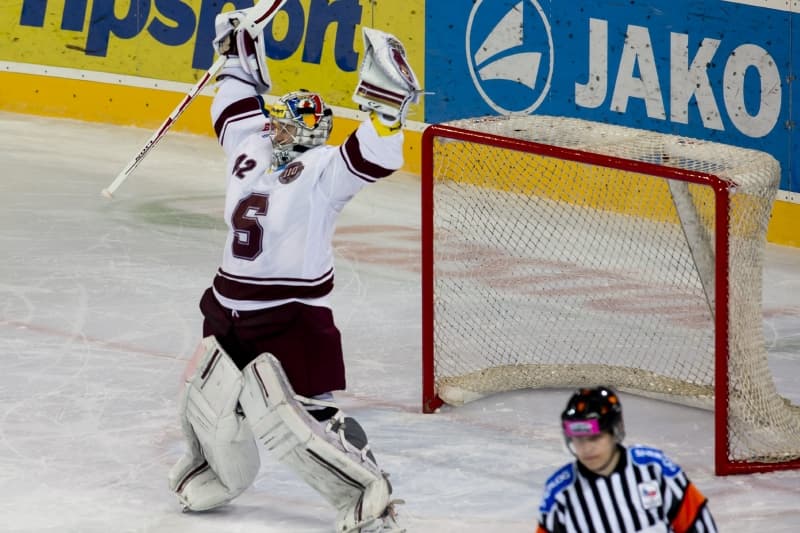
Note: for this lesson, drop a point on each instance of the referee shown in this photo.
(614, 489)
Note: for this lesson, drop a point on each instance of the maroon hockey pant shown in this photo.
(302, 337)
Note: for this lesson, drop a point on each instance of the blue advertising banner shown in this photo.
(720, 71)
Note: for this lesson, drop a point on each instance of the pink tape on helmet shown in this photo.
(581, 428)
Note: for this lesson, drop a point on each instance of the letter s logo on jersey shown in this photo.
(510, 54)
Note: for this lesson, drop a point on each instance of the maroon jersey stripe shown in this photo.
(241, 290)
(272, 281)
(367, 171)
(239, 110)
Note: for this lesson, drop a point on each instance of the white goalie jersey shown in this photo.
(281, 222)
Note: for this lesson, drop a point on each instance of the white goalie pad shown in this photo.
(319, 452)
(222, 460)
(387, 83)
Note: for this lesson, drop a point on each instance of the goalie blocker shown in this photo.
(222, 461)
(246, 55)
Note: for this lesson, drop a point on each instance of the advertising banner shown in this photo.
(723, 72)
(311, 44)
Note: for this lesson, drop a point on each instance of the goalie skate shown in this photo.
(386, 523)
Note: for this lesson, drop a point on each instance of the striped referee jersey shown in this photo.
(646, 493)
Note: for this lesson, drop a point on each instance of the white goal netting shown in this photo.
(555, 272)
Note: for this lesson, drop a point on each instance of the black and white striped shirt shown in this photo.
(645, 493)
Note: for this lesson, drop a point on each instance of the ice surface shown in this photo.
(98, 314)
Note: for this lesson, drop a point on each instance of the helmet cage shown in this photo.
(300, 121)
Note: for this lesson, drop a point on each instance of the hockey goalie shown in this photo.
(271, 357)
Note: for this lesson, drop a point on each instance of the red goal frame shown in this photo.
(721, 188)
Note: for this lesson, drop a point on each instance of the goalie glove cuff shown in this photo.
(385, 125)
(232, 68)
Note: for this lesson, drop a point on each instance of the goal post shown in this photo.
(558, 252)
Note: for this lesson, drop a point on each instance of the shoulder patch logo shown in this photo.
(649, 494)
(644, 455)
(291, 172)
(556, 484)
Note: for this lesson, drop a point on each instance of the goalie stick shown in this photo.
(257, 18)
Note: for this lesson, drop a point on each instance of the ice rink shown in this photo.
(98, 315)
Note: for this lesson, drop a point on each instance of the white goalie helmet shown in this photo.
(300, 121)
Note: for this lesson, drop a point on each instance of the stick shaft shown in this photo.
(165, 126)
(256, 20)
(264, 13)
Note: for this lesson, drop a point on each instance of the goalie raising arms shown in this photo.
(271, 355)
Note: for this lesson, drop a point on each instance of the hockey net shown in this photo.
(562, 253)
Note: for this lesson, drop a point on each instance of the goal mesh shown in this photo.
(559, 253)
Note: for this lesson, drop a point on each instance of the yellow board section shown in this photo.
(101, 102)
(599, 188)
(124, 40)
(311, 45)
(784, 223)
(136, 106)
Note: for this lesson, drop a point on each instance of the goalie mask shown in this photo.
(300, 121)
(590, 412)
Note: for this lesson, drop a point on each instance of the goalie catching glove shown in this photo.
(247, 56)
(387, 85)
